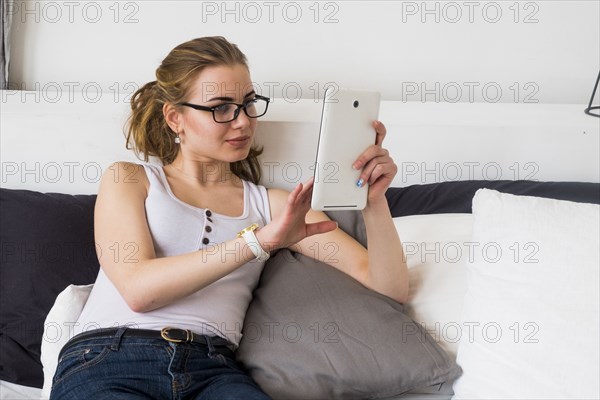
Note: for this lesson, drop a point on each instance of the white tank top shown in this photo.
(177, 227)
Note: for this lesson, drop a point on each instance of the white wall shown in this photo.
(64, 146)
(468, 51)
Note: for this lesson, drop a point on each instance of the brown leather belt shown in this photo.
(173, 335)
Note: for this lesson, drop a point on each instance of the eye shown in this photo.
(224, 109)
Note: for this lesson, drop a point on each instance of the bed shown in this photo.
(496, 204)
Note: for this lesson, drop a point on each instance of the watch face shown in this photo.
(252, 227)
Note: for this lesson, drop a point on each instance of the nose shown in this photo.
(241, 121)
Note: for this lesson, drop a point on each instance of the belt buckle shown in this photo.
(165, 334)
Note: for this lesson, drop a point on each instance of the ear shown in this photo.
(173, 117)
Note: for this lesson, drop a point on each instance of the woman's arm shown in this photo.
(126, 251)
(387, 264)
(381, 268)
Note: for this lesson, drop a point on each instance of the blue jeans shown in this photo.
(116, 367)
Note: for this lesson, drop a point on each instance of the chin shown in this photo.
(239, 156)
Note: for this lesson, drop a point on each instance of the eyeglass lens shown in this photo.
(228, 112)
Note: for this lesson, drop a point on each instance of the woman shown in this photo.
(166, 311)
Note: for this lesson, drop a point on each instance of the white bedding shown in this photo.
(10, 391)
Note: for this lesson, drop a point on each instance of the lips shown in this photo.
(238, 141)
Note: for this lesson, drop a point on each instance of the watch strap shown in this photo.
(253, 243)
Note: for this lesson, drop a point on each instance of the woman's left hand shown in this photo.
(378, 168)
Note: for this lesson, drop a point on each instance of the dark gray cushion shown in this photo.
(312, 332)
(47, 242)
(457, 196)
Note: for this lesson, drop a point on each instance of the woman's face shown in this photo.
(204, 139)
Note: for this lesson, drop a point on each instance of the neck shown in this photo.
(203, 172)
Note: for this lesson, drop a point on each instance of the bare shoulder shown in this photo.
(119, 213)
(125, 178)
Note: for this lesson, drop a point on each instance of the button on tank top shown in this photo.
(177, 228)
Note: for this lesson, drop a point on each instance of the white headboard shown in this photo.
(53, 143)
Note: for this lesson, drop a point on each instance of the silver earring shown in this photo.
(177, 139)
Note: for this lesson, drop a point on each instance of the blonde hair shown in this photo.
(148, 134)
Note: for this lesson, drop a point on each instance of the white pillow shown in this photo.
(436, 247)
(532, 299)
(58, 328)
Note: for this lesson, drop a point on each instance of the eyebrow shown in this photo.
(251, 93)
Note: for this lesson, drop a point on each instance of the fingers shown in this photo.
(381, 169)
(368, 155)
(301, 194)
(380, 131)
(377, 167)
(375, 161)
(306, 192)
(373, 150)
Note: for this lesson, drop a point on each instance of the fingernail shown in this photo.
(356, 165)
(360, 182)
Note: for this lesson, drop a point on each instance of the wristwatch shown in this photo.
(252, 241)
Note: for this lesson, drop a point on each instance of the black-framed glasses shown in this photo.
(227, 112)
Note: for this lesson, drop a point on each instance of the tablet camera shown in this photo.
(355, 103)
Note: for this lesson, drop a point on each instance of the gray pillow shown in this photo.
(312, 332)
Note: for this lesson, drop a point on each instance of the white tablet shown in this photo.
(346, 131)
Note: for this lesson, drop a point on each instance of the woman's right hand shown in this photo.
(290, 226)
